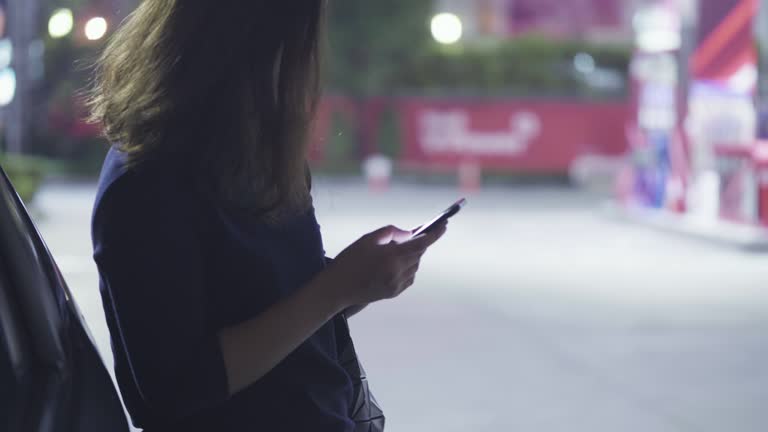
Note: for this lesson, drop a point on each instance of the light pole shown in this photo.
(22, 28)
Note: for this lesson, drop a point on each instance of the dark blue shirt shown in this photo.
(175, 268)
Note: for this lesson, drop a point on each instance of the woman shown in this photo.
(222, 311)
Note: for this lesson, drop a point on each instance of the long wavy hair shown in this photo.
(229, 87)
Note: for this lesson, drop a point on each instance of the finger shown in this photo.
(401, 235)
(405, 258)
(383, 235)
(411, 270)
(420, 227)
(390, 233)
(405, 285)
(412, 260)
(423, 241)
(381, 232)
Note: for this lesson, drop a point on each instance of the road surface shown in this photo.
(535, 312)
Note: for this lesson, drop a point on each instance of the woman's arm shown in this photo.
(150, 259)
(354, 309)
(253, 348)
(369, 270)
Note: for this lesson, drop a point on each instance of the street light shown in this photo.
(658, 29)
(96, 28)
(61, 23)
(447, 28)
(7, 86)
(584, 63)
(6, 53)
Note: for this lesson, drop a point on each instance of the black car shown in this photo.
(52, 378)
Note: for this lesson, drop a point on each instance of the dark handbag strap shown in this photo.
(365, 410)
(346, 349)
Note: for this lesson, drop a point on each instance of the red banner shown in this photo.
(535, 136)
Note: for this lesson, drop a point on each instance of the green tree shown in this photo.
(370, 41)
(384, 48)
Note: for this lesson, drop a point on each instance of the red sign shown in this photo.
(531, 136)
(564, 18)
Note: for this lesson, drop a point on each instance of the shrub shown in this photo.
(26, 174)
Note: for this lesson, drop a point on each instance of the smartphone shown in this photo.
(444, 216)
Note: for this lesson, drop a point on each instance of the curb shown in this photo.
(741, 236)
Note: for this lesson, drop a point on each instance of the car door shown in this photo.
(51, 375)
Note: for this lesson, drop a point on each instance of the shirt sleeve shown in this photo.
(150, 258)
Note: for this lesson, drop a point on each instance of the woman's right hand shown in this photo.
(380, 265)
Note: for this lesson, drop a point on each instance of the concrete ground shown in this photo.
(535, 312)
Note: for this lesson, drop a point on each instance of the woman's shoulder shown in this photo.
(115, 166)
(129, 190)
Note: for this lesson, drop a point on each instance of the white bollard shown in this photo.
(470, 177)
(378, 172)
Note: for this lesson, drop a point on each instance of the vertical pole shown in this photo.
(22, 29)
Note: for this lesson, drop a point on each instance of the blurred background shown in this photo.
(608, 272)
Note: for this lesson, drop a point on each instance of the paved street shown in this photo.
(536, 312)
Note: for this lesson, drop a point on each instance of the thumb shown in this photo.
(389, 234)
